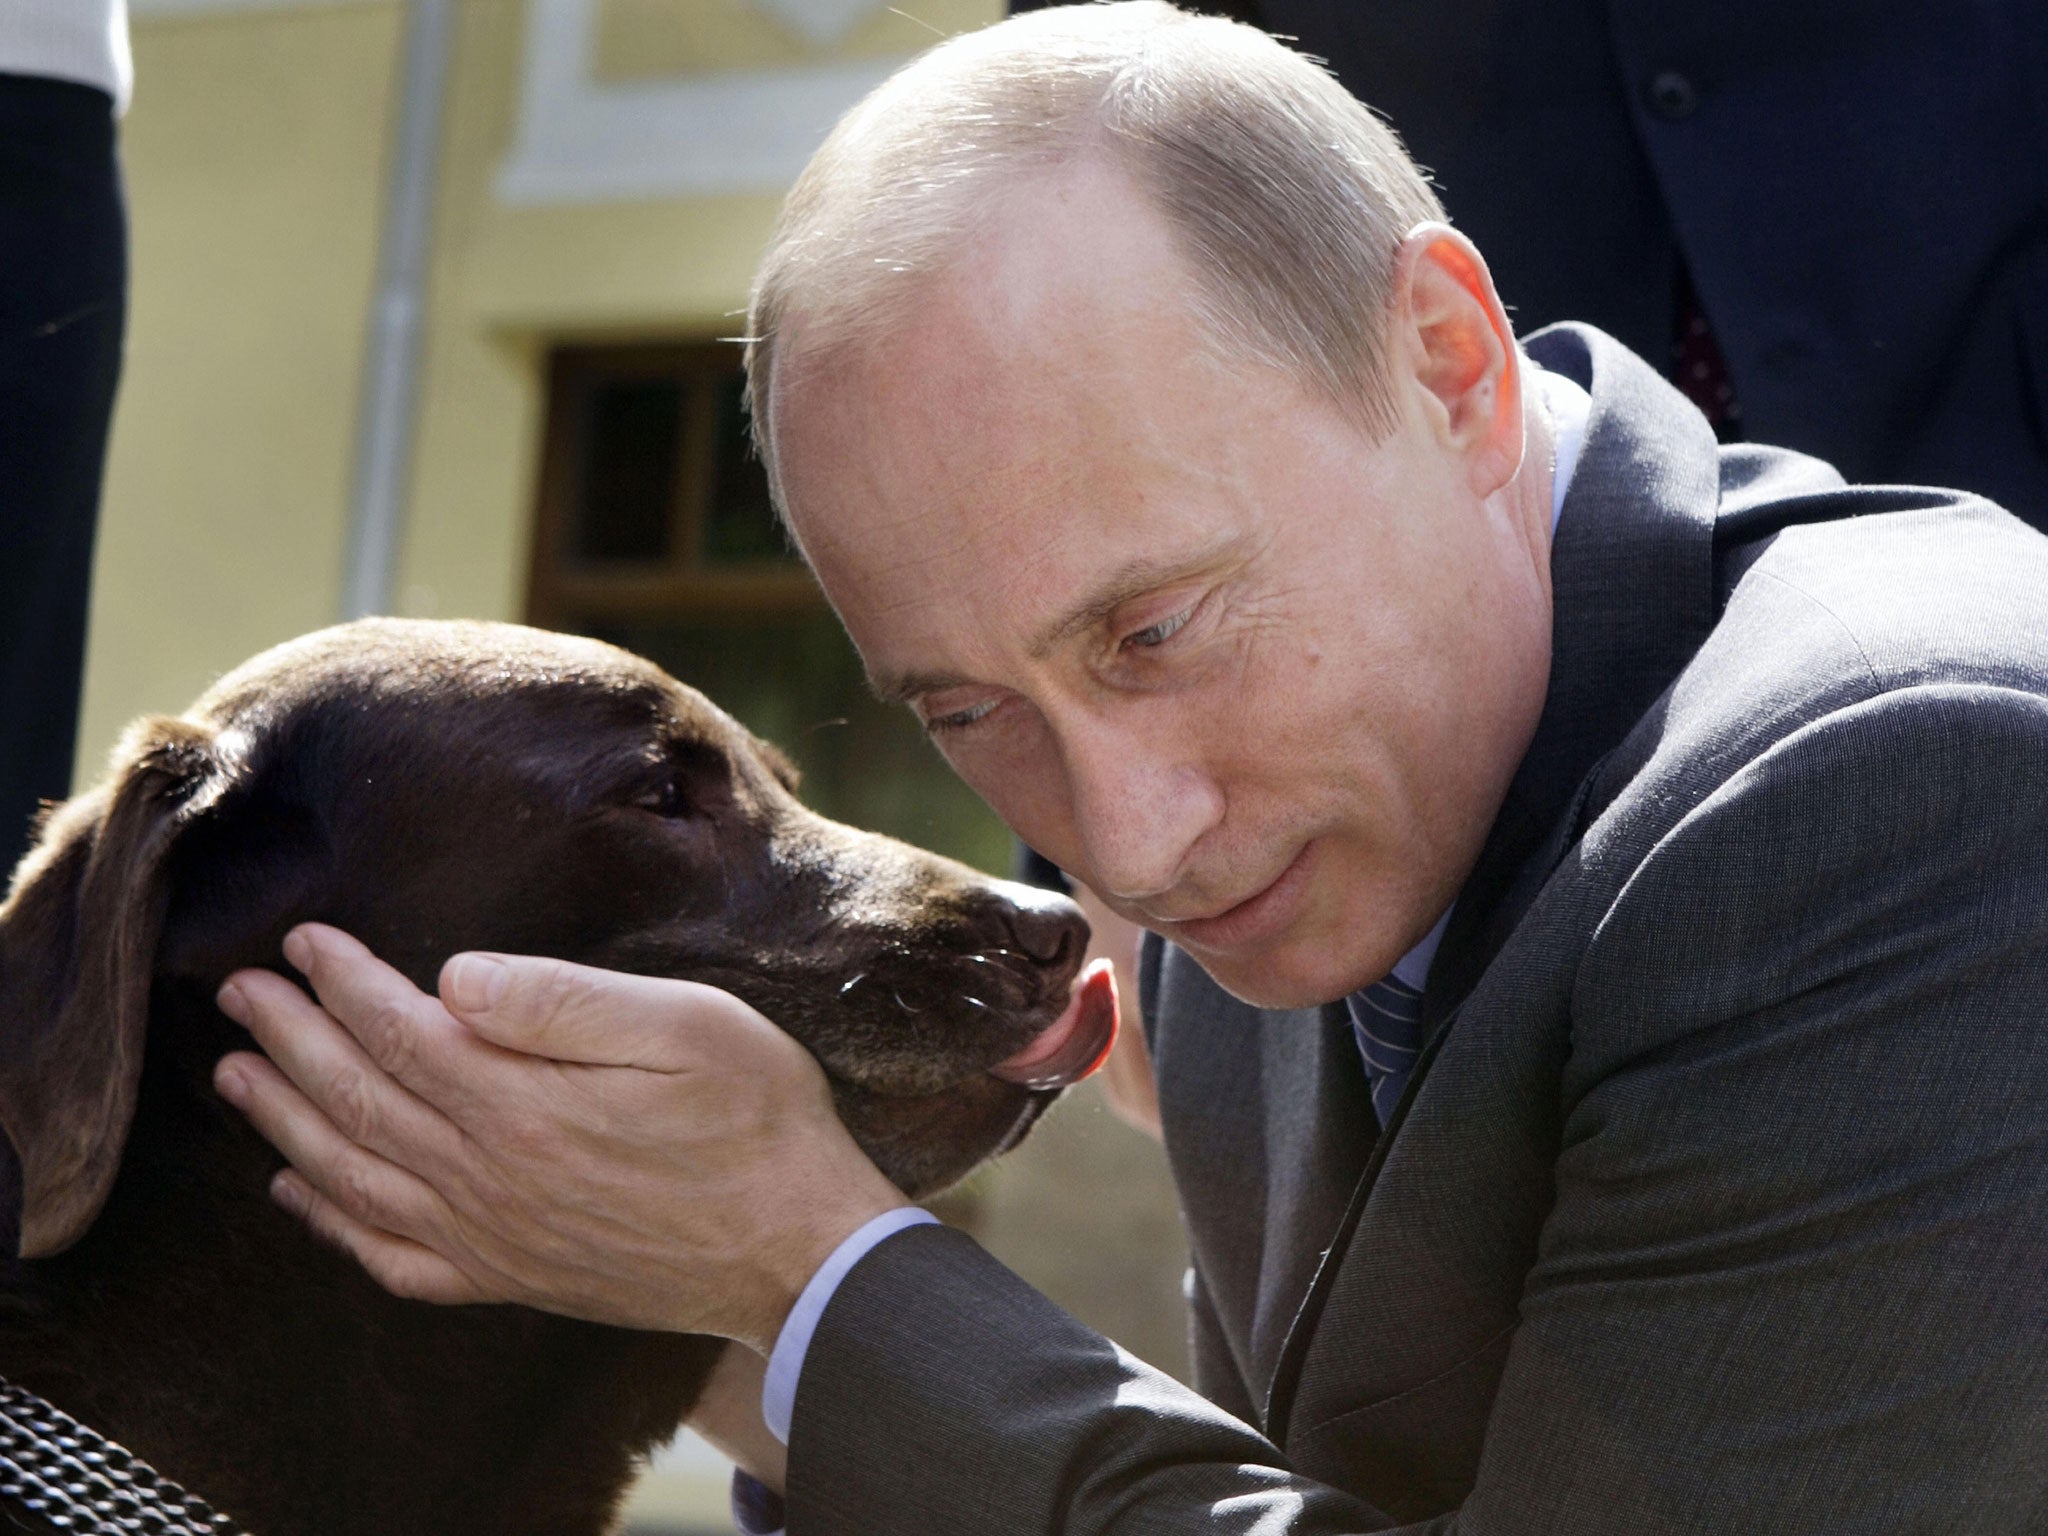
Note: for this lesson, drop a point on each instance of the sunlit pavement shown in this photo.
(684, 1493)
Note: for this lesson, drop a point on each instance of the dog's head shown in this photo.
(440, 787)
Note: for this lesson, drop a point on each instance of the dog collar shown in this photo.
(80, 1481)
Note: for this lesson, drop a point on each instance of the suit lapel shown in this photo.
(1632, 574)
(1268, 1126)
(1309, 1202)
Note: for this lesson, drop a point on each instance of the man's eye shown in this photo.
(1157, 634)
(959, 719)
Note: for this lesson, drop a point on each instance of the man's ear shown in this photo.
(78, 937)
(1453, 336)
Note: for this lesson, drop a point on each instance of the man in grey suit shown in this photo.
(1598, 1027)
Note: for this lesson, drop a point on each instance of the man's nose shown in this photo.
(1137, 812)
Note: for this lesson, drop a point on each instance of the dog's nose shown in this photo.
(1044, 925)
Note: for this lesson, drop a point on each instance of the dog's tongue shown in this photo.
(1075, 1043)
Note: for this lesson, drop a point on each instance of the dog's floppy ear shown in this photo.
(78, 936)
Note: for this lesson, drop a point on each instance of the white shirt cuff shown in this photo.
(786, 1362)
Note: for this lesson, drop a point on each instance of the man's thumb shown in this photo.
(472, 984)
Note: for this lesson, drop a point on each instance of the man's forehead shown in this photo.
(943, 434)
(977, 464)
(1080, 240)
(1058, 263)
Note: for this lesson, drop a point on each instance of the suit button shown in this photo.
(1672, 96)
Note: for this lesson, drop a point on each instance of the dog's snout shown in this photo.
(1042, 925)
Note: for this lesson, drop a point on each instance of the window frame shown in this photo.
(565, 592)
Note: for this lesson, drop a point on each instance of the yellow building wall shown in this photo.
(638, 39)
(254, 154)
(510, 282)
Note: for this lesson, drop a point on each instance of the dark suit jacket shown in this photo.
(1719, 1200)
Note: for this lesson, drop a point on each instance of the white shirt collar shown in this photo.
(1569, 408)
(1413, 967)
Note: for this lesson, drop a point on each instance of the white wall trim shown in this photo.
(143, 10)
(824, 22)
(579, 141)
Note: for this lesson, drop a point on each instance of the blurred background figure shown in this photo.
(64, 77)
(1829, 216)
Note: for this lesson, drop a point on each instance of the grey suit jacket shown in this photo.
(1719, 1200)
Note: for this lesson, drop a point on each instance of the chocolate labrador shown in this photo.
(434, 787)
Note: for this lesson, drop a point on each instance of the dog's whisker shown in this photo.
(903, 1005)
(849, 986)
(1009, 962)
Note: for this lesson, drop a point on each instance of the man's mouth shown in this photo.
(1074, 1044)
(1259, 916)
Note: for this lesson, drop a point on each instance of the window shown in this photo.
(655, 533)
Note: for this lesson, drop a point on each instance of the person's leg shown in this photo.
(63, 302)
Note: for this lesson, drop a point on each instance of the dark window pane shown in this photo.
(739, 522)
(796, 680)
(631, 449)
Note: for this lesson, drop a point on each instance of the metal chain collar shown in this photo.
(78, 1480)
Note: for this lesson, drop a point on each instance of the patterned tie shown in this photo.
(1387, 1017)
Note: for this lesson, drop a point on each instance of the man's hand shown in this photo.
(630, 1150)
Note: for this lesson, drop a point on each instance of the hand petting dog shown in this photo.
(629, 1150)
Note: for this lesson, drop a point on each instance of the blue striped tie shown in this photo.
(1387, 1017)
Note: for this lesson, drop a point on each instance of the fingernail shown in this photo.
(474, 983)
(232, 1001)
(231, 1085)
(298, 949)
(284, 1189)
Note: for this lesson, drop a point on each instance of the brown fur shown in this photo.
(433, 788)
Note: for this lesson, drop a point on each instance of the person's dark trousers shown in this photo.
(63, 303)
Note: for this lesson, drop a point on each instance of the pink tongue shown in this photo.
(1075, 1043)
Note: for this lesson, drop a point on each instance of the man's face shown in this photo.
(1257, 680)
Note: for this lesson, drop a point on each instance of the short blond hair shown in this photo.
(1287, 197)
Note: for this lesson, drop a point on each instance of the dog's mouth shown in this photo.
(926, 1132)
(1076, 1043)
(904, 1021)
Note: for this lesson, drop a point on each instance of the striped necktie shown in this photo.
(1387, 1017)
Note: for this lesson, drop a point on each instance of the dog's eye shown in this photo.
(663, 799)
